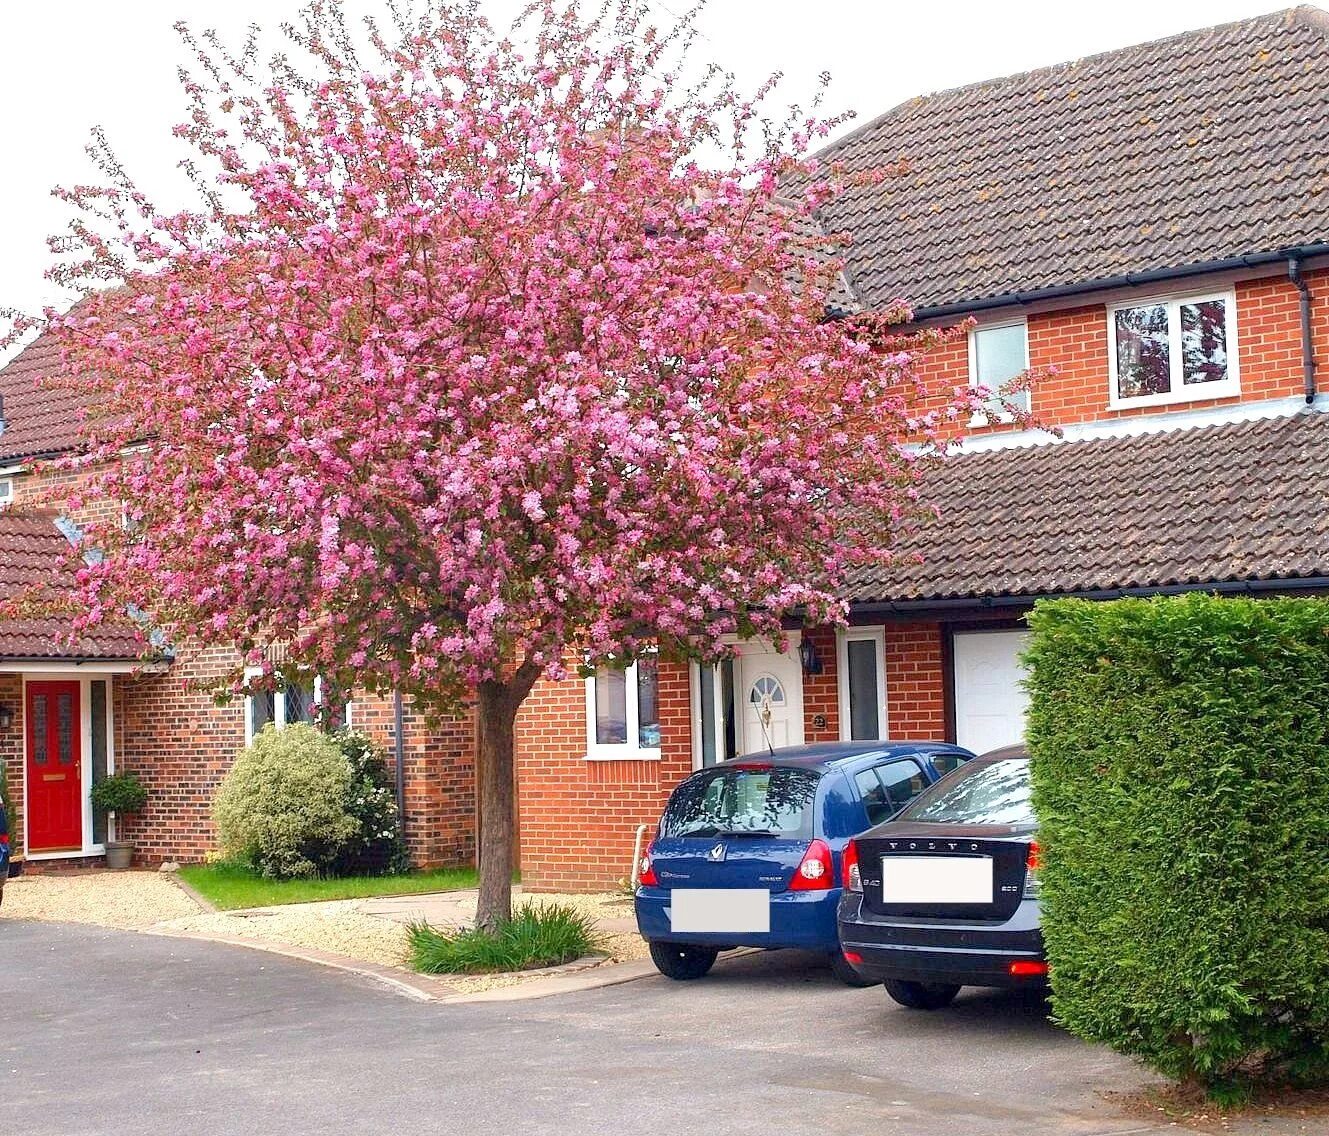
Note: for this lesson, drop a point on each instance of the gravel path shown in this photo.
(128, 900)
(142, 900)
(337, 926)
(346, 928)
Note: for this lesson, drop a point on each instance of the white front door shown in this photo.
(990, 702)
(770, 697)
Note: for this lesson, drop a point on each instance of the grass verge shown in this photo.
(230, 885)
(535, 936)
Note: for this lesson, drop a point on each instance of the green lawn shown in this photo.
(232, 885)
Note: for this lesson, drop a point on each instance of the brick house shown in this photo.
(1153, 222)
(69, 715)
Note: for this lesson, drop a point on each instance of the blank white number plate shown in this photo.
(720, 910)
(936, 879)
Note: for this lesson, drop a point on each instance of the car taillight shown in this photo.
(1027, 968)
(4, 840)
(646, 869)
(1033, 862)
(814, 872)
(849, 874)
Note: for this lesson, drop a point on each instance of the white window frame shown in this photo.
(6, 492)
(1179, 391)
(629, 750)
(698, 675)
(279, 705)
(984, 417)
(844, 636)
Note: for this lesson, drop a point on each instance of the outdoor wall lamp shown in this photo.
(807, 654)
(6, 717)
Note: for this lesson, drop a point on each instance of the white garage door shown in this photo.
(990, 703)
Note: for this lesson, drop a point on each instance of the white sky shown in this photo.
(69, 66)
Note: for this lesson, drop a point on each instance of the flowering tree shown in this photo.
(467, 368)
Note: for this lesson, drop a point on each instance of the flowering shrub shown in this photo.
(282, 808)
(377, 848)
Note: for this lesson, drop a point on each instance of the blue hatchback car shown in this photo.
(4, 850)
(747, 853)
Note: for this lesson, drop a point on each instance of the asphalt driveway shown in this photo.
(110, 1032)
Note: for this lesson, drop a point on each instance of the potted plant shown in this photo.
(118, 793)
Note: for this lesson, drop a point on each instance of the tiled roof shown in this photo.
(1201, 147)
(1242, 502)
(34, 553)
(39, 419)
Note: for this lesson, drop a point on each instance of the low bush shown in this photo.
(1181, 778)
(535, 936)
(282, 808)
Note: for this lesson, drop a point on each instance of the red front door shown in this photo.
(55, 767)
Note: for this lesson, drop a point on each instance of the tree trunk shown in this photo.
(497, 712)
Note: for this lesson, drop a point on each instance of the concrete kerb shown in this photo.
(198, 897)
(591, 972)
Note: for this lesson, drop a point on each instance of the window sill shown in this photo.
(1004, 418)
(622, 753)
(1201, 392)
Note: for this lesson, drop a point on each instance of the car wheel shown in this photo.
(847, 974)
(681, 963)
(921, 995)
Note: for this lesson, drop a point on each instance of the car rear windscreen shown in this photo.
(994, 792)
(769, 800)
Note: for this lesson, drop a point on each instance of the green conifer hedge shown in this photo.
(1181, 778)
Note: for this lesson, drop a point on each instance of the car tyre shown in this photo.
(682, 963)
(921, 995)
(842, 970)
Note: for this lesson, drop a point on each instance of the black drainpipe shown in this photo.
(399, 748)
(1307, 348)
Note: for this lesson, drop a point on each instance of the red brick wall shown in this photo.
(915, 699)
(11, 755)
(180, 744)
(579, 816)
(821, 694)
(439, 777)
(1075, 341)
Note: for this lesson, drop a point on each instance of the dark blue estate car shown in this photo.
(748, 851)
(946, 894)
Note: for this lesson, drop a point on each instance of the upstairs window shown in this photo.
(623, 711)
(1173, 350)
(6, 491)
(997, 354)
